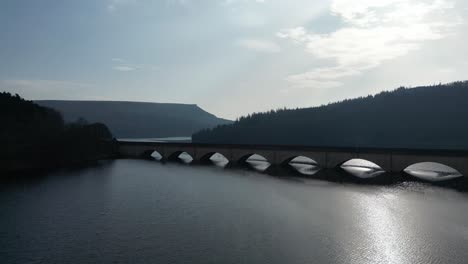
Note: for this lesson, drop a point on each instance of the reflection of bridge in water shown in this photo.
(390, 160)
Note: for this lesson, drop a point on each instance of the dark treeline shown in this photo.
(32, 136)
(433, 117)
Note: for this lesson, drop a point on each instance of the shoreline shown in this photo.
(15, 167)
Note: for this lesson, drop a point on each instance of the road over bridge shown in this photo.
(390, 160)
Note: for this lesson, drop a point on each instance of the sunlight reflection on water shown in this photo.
(383, 230)
(147, 211)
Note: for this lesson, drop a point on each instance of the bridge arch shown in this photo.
(299, 159)
(240, 156)
(221, 158)
(181, 155)
(432, 171)
(146, 154)
(302, 165)
(255, 161)
(155, 154)
(402, 162)
(361, 163)
(336, 160)
(206, 153)
(152, 154)
(244, 158)
(362, 168)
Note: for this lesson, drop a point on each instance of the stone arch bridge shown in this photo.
(390, 160)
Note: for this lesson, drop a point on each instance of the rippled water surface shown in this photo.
(130, 211)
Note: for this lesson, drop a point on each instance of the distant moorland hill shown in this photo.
(139, 120)
(433, 117)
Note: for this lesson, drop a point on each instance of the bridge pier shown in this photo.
(276, 170)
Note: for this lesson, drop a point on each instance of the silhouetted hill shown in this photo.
(139, 120)
(36, 137)
(423, 117)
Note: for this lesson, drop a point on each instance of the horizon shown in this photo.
(287, 108)
(229, 57)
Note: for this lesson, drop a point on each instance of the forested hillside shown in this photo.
(423, 117)
(32, 136)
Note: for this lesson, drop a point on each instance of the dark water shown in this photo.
(131, 211)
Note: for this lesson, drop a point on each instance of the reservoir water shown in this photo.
(135, 211)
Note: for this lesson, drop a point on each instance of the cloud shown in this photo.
(240, 1)
(224, 2)
(122, 65)
(375, 31)
(124, 68)
(114, 4)
(179, 2)
(118, 60)
(259, 45)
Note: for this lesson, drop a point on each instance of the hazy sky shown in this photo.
(231, 57)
